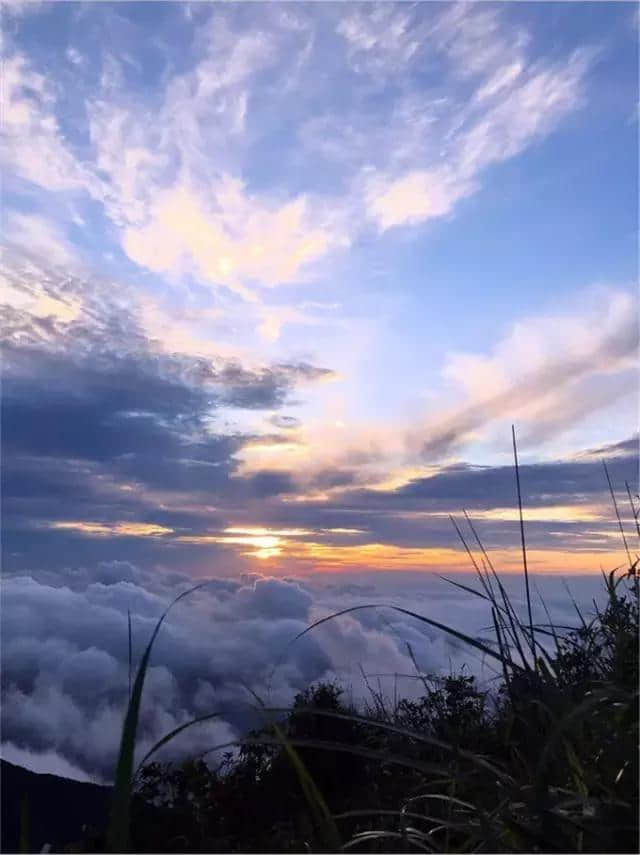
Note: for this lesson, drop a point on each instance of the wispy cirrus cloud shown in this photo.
(548, 373)
(513, 104)
(173, 185)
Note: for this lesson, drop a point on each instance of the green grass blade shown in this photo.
(635, 512)
(24, 824)
(472, 642)
(172, 734)
(130, 649)
(118, 826)
(466, 588)
(474, 759)
(524, 545)
(314, 797)
(315, 800)
(615, 507)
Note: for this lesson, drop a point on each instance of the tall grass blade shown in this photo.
(524, 546)
(314, 798)
(470, 756)
(505, 672)
(466, 588)
(514, 622)
(551, 624)
(615, 507)
(171, 735)
(419, 674)
(482, 550)
(461, 636)
(635, 511)
(130, 649)
(575, 605)
(118, 825)
(24, 824)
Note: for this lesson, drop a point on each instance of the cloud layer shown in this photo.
(64, 653)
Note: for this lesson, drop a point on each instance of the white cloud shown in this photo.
(416, 196)
(235, 241)
(412, 162)
(218, 232)
(64, 654)
(20, 7)
(547, 372)
(476, 40)
(74, 56)
(523, 113)
(33, 146)
(492, 101)
(515, 107)
(382, 38)
(37, 235)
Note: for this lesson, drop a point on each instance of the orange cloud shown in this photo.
(121, 529)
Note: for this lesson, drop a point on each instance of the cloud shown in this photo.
(189, 201)
(73, 704)
(417, 196)
(178, 212)
(228, 244)
(113, 444)
(34, 147)
(106, 434)
(64, 654)
(381, 38)
(519, 105)
(21, 7)
(546, 373)
(37, 236)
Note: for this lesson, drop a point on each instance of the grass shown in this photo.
(548, 763)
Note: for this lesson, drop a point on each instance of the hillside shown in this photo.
(58, 808)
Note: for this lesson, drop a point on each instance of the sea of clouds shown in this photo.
(65, 651)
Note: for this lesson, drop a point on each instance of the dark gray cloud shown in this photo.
(100, 423)
(558, 481)
(284, 422)
(416, 514)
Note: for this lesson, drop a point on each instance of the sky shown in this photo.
(277, 279)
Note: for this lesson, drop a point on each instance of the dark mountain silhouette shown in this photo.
(59, 810)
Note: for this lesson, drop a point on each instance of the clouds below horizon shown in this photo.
(64, 652)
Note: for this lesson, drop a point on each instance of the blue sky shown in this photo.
(356, 241)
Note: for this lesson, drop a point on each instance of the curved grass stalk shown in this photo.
(118, 825)
(472, 758)
(461, 636)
